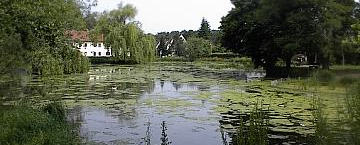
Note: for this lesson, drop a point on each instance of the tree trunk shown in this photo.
(271, 71)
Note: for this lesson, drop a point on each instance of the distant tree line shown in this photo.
(326, 31)
(190, 44)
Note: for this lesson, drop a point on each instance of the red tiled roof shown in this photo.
(83, 36)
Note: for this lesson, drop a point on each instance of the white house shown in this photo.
(87, 47)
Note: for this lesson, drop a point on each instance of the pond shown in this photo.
(175, 103)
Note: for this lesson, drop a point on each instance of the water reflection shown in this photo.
(185, 126)
(128, 104)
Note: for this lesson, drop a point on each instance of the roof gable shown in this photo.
(83, 36)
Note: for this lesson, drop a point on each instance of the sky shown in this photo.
(173, 15)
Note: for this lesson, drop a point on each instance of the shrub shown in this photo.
(55, 110)
(197, 48)
(23, 125)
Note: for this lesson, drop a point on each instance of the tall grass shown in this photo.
(255, 133)
(347, 130)
(24, 125)
(353, 110)
(323, 134)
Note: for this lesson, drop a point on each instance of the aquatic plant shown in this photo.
(255, 133)
(164, 137)
(147, 138)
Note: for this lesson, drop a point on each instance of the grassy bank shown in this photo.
(215, 62)
(24, 125)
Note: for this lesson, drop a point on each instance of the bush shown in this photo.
(23, 125)
(245, 61)
(55, 110)
(197, 48)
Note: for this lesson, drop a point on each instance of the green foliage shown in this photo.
(204, 31)
(44, 63)
(255, 133)
(86, 6)
(127, 40)
(245, 61)
(269, 31)
(353, 108)
(345, 132)
(12, 55)
(22, 125)
(197, 48)
(55, 110)
(33, 36)
(322, 130)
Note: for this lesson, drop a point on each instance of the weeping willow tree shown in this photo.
(125, 38)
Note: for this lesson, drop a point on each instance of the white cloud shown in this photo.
(173, 15)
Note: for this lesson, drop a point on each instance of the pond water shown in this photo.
(123, 105)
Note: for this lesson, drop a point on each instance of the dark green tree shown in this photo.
(269, 31)
(39, 31)
(197, 48)
(188, 34)
(204, 31)
(91, 20)
(162, 46)
(178, 45)
(86, 9)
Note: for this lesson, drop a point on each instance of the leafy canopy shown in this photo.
(33, 37)
(127, 41)
(269, 31)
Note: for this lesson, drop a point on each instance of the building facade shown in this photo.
(83, 43)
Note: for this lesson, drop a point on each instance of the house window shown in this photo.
(99, 45)
(99, 53)
(85, 45)
(94, 53)
(108, 53)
